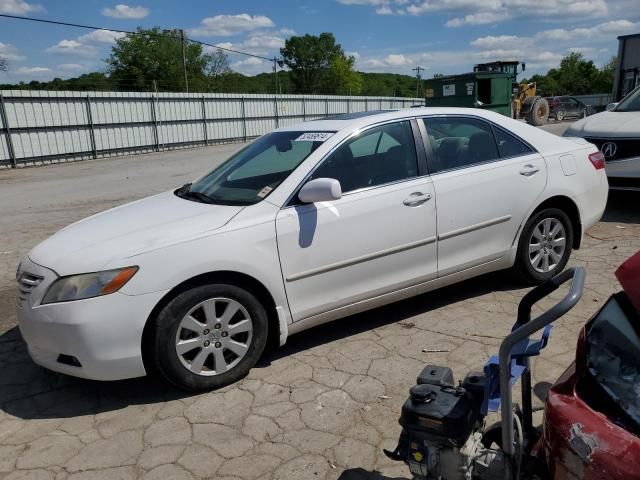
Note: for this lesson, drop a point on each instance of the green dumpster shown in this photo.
(489, 90)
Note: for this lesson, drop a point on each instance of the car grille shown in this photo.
(26, 283)
(625, 148)
(624, 183)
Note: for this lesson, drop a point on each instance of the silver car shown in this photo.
(616, 133)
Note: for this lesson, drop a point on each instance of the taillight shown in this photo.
(597, 159)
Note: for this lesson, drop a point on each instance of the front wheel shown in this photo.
(545, 246)
(560, 115)
(209, 336)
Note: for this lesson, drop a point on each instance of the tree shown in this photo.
(341, 78)
(317, 62)
(217, 66)
(576, 76)
(4, 65)
(137, 60)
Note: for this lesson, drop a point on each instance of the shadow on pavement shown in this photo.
(392, 313)
(362, 474)
(28, 391)
(622, 207)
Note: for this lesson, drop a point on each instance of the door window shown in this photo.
(459, 142)
(377, 156)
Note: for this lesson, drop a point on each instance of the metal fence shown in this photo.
(597, 100)
(38, 126)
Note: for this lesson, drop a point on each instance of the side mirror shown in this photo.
(611, 106)
(320, 190)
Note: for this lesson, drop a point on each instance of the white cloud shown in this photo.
(34, 71)
(481, 18)
(125, 12)
(287, 31)
(251, 66)
(70, 67)
(85, 45)
(396, 60)
(101, 36)
(10, 52)
(227, 25)
(19, 7)
(482, 12)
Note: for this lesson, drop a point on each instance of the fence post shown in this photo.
(7, 132)
(304, 109)
(204, 121)
(366, 104)
(92, 134)
(326, 106)
(244, 119)
(154, 118)
(348, 104)
(275, 105)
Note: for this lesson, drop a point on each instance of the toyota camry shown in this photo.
(307, 224)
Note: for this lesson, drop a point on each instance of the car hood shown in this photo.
(105, 239)
(608, 125)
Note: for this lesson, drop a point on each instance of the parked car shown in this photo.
(616, 133)
(307, 224)
(567, 107)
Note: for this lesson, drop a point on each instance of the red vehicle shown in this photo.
(592, 414)
(591, 426)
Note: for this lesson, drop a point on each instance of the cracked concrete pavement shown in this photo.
(322, 407)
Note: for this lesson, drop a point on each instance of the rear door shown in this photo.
(485, 180)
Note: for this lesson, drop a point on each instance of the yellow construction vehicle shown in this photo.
(525, 103)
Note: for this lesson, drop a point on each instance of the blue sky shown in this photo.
(442, 36)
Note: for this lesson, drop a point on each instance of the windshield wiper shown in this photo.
(185, 192)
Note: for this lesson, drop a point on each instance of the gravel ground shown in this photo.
(323, 406)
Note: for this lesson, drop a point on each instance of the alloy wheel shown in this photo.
(547, 245)
(214, 336)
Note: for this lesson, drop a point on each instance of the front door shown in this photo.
(485, 181)
(379, 237)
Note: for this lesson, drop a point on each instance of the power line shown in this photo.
(90, 27)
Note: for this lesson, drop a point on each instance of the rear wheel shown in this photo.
(209, 336)
(539, 112)
(545, 246)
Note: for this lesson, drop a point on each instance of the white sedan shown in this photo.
(307, 224)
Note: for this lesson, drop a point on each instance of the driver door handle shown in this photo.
(416, 199)
(529, 170)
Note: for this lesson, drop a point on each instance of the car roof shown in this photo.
(538, 138)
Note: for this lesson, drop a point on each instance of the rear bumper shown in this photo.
(624, 174)
(104, 333)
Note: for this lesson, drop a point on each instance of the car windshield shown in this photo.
(254, 172)
(613, 358)
(630, 103)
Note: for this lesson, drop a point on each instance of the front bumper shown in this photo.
(104, 333)
(624, 174)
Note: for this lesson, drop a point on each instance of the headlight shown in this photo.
(87, 285)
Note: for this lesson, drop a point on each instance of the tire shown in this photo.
(560, 115)
(541, 229)
(193, 346)
(538, 114)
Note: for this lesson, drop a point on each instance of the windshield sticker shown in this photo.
(314, 137)
(264, 192)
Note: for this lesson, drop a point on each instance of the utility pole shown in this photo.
(418, 69)
(184, 61)
(275, 74)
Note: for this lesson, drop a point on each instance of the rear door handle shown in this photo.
(529, 170)
(416, 199)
